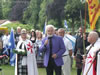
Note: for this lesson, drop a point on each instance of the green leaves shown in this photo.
(36, 12)
(1, 10)
(20, 52)
(72, 11)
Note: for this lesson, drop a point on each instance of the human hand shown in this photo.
(54, 56)
(46, 42)
(84, 36)
(74, 57)
(84, 59)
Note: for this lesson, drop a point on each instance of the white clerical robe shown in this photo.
(30, 59)
(98, 64)
(90, 58)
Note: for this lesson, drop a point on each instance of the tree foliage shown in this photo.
(14, 25)
(6, 8)
(72, 11)
(18, 9)
(42, 13)
(36, 12)
(1, 9)
(55, 11)
(31, 15)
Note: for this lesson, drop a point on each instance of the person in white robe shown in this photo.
(25, 63)
(91, 52)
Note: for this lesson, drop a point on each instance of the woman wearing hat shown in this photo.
(25, 63)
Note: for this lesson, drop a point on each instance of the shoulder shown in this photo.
(45, 38)
(98, 39)
(57, 37)
(66, 39)
(27, 40)
(19, 43)
(97, 44)
(87, 48)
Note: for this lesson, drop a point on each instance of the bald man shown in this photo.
(66, 68)
(91, 49)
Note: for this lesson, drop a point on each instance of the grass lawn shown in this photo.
(8, 70)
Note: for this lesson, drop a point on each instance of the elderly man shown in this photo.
(26, 61)
(54, 48)
(17, 34)
(91, 49)
(66, 68)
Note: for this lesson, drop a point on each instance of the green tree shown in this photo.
(0, 9)
(42, 14)
(19, 6)
(72, 11)
(31, 15)
(55, 11)
(6, 8)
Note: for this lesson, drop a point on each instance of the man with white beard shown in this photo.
(54, 47)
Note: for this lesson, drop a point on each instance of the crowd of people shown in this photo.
(53, 49)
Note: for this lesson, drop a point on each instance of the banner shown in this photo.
(44, 29)
(11, 47)
(94, 12)
(65, 24)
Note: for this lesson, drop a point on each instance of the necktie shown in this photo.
(50, 44)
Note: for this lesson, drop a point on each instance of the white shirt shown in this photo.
(68, 45)
(5, 40)
(99, 39)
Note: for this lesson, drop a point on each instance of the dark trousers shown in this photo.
(53, 67)
(79, 71)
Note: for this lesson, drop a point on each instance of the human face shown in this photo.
(89, 39)
(19, 30)
(50, 31)
(61, 33)
(24, 36)
(80, 30)
(32, 33)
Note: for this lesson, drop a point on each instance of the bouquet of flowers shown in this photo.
(20, 51)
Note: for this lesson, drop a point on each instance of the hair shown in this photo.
(97, 32)
(34, 33)
(50, 26)
(94, 35)
(32, 30)
(40, 33)
(18, 27)
(61, 29)
(33, 36)
(23, 31)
